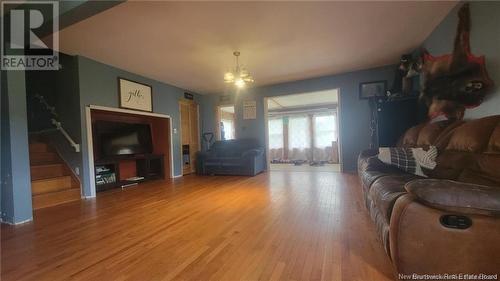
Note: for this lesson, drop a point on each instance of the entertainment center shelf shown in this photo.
(129, 148)
(116, 171)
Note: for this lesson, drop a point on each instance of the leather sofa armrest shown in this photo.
(368, 153)
(368, 161)
(456, 196)
(252, 153)
(372, 163)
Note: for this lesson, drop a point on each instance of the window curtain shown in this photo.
(309, 137)
(325, 137)
(276, 139)
(299, 138)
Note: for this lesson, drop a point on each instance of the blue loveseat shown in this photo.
(232, 157)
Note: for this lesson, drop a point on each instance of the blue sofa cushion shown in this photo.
(232, 157)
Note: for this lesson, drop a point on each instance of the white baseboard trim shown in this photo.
(15, 223)
(177, 176)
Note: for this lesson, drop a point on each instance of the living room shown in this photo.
(250, 140)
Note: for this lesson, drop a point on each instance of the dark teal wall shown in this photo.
(5, 164)
(16, 180)
(354, 115)
(98, 86)
(484, 39)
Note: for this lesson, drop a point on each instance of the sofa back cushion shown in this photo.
(468, 151)
(473, 136)
(479, 140)
(409, 138)
(426, 134)
(494, 143)
(233, 148)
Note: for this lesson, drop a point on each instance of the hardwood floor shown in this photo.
(275, 226)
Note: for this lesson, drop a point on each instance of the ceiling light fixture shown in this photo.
(240, 76)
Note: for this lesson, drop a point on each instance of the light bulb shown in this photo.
(228, 77)
(239, 83)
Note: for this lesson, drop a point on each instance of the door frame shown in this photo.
(218, 119)
(339, 134)
(189, 102)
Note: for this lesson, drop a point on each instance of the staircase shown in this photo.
(51, 180)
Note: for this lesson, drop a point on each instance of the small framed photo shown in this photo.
(372, 89)
(134, 95)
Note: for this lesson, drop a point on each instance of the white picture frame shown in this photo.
(249, 109)
(135, 95)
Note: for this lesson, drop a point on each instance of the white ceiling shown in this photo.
(303, 100)
(190, 44)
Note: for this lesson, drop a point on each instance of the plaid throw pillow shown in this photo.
(410, 160)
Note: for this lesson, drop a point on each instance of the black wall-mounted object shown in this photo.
(372, 89)
(188, 96)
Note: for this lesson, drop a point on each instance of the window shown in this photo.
(325, 130)
(276, 133)
(226, 122)
(299, 136)
(227, 129)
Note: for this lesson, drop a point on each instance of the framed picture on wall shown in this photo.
(372, 89)
(134, 95)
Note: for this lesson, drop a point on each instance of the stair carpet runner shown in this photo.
(51, 180)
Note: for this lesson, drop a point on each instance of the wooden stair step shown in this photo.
(37, 158)
(38, 147)
(39, 172)
(50, 185)
(55, 198)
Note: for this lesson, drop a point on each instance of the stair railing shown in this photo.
(57, 124)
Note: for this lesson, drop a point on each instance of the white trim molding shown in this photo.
(122, 110)
(90, 146)
(90, 152)
(15, 223)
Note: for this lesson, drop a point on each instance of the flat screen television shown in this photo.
(122, 139)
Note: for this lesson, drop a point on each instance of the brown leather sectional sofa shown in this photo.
(448, 223)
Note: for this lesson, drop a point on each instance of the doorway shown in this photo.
(303, 132)
(190, 135)
(226, 122)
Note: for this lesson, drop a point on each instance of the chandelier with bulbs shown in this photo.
(240, 76)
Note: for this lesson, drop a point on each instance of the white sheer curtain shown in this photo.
(325, 136)
(319, 143)
(325, 130)
(299, 138)
(276, 138)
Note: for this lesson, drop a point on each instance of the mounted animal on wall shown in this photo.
(451, 83)
(408, 67)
